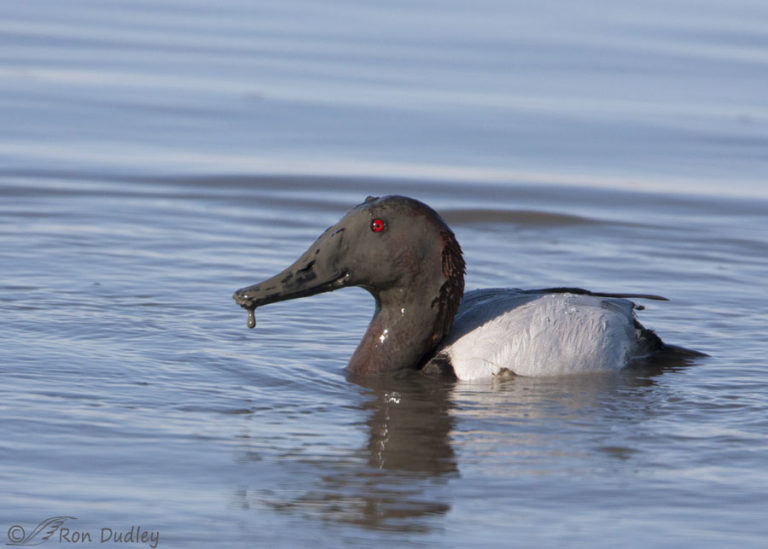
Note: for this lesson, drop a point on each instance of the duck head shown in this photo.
(404, 254)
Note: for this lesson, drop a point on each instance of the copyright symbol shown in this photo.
(16, 533)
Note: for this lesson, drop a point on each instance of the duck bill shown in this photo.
(313, 273)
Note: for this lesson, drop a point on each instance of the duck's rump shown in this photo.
(556, 331)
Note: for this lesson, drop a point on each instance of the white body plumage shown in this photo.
(541, 334)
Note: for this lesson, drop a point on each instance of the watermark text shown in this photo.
(60, 529)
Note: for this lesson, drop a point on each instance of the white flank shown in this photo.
(554, 334)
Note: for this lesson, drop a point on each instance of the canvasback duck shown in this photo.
(404, 254)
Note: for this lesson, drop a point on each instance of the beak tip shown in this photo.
(242, 298)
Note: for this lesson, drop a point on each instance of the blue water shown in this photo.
(156, 156)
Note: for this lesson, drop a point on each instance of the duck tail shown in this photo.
(651, 345)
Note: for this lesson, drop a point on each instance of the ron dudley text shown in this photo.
(108, 535)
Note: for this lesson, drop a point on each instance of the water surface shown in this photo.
(156, 156)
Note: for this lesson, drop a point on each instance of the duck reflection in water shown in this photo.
(394, 481)
(397, 480)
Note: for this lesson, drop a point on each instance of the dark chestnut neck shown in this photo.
(412, 318)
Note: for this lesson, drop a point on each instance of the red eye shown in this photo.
(377, 225)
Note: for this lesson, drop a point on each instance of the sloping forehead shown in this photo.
(395, 206)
